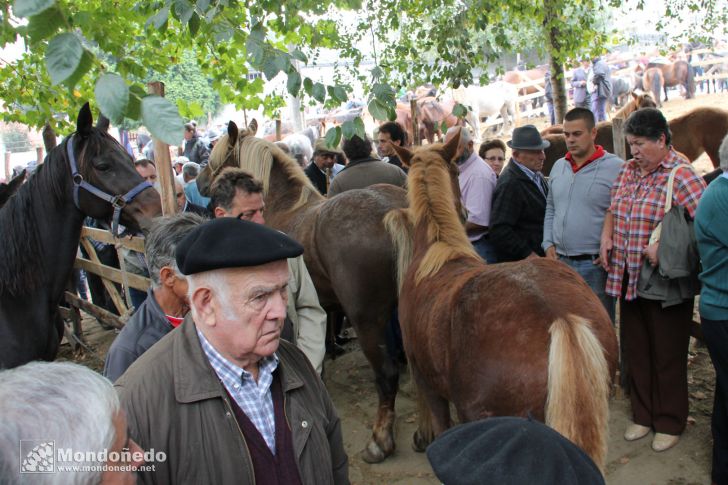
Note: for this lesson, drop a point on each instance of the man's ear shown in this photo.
(167, 276)
(202, 302)
(219, 212)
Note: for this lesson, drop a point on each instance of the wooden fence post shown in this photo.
(415, 123)
(164, 163)
(620, 146)
(278, 130)
(7, 167)
(39, 155)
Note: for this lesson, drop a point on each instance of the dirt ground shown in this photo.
(350, 383)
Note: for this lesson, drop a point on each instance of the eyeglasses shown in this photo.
(493, 159)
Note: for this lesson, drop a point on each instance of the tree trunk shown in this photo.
(558, 82)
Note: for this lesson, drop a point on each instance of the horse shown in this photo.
(431, 113)
(41, 227)
(678, 73)
(620, 91)
(348, 253)
(528, 338)
(519, 77)
(654, 82)
(7, 190)
(694, 133)
(488, 101)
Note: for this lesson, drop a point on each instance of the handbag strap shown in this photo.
(657, 232)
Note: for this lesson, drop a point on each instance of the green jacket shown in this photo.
(176, 404)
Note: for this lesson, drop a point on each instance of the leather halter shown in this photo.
(118, 202)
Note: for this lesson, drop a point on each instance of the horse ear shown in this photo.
(103, 123)
(451, 147)
(85, 121)
(253, 127)
(404, 154)
(232, 133)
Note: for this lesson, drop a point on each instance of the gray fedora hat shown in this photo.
(527, 137)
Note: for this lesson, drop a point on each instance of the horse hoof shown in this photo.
(373, 453)
(420, 442)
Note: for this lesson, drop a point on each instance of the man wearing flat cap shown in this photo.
(222, 395)
(323, 165)
(519, 200)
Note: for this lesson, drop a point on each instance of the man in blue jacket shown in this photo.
(578, 198)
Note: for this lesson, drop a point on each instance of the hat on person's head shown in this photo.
(181, 160)
(229, 242)
(321, 147)
(508, 450)
(527, 137)
(213, 134)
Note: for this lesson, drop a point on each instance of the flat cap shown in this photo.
(507, 450)
(229, 242)
(321, 147)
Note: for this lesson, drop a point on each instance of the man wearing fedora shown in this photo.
(324, 159)
(519, 201)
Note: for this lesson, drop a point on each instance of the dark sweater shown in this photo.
(711, 232)
(278, 469)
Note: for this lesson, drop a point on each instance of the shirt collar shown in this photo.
(531, 174)
(467, 163)
(598, 153)
(224, 367)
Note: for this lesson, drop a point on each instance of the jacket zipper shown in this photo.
(242, 436)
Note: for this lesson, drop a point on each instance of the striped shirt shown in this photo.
(255, 399)
(638, 205)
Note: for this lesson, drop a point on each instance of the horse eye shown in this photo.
(103, 167)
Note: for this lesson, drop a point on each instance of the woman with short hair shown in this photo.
(655, 338)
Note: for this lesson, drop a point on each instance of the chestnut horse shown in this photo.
(513, 339)
(348, 252)
(431, 113)
(679, 73)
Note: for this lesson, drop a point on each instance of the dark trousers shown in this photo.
(656, 341)
(716, 338)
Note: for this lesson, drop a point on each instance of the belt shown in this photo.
(581, 257)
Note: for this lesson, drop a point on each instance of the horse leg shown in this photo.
(433, 413)
(371, 333)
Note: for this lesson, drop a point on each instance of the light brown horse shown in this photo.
(348, 252)
(513, 339)
(431, 113)
(653, 81)
(679, 73)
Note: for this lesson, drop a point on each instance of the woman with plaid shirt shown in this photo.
(655, 338)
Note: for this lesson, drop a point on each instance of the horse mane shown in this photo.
(21, 264)
(431, 203)
(257, 155)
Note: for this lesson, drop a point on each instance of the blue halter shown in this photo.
(117, 201)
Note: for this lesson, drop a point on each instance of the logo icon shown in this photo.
(37, 456)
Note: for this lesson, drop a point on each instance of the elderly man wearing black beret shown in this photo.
(222, 395)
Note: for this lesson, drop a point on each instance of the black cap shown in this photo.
(527, 137)
(509, 450)
(229, 242)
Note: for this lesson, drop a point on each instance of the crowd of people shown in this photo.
(220, 365)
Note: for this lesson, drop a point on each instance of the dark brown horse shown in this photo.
(679, 73)
(694, 133)
(40, 227)
(513, 339)
(348, 252)
(7, 190)
(653, 81)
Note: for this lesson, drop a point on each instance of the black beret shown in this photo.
(229, 242)
(508, 450)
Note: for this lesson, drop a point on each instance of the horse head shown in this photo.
(106, 184)
(224, 154)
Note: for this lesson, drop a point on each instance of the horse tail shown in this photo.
(400, 228)
(578, 386)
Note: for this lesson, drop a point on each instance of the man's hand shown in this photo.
(604, 250)
(551, 253)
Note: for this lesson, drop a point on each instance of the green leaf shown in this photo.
(340, 94)
(378, 110)
(112, 95)
(87, 62)
(294, 83)
(270, 68)
(203, 5)
(194, 24)
(459, 110)
(159, 19)
(348, 129)
(443, 127)
(361, 130)
(333, 137)
(162, 119)
(300, 56)
(308, 86)
(63, 56)
(184, 10)
(27, 8)
(319, 92)
(133, 109)
(44, 24)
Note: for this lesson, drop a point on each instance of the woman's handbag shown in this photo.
(675, 279)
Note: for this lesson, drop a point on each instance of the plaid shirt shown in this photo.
(255, 399)
(638, 205)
